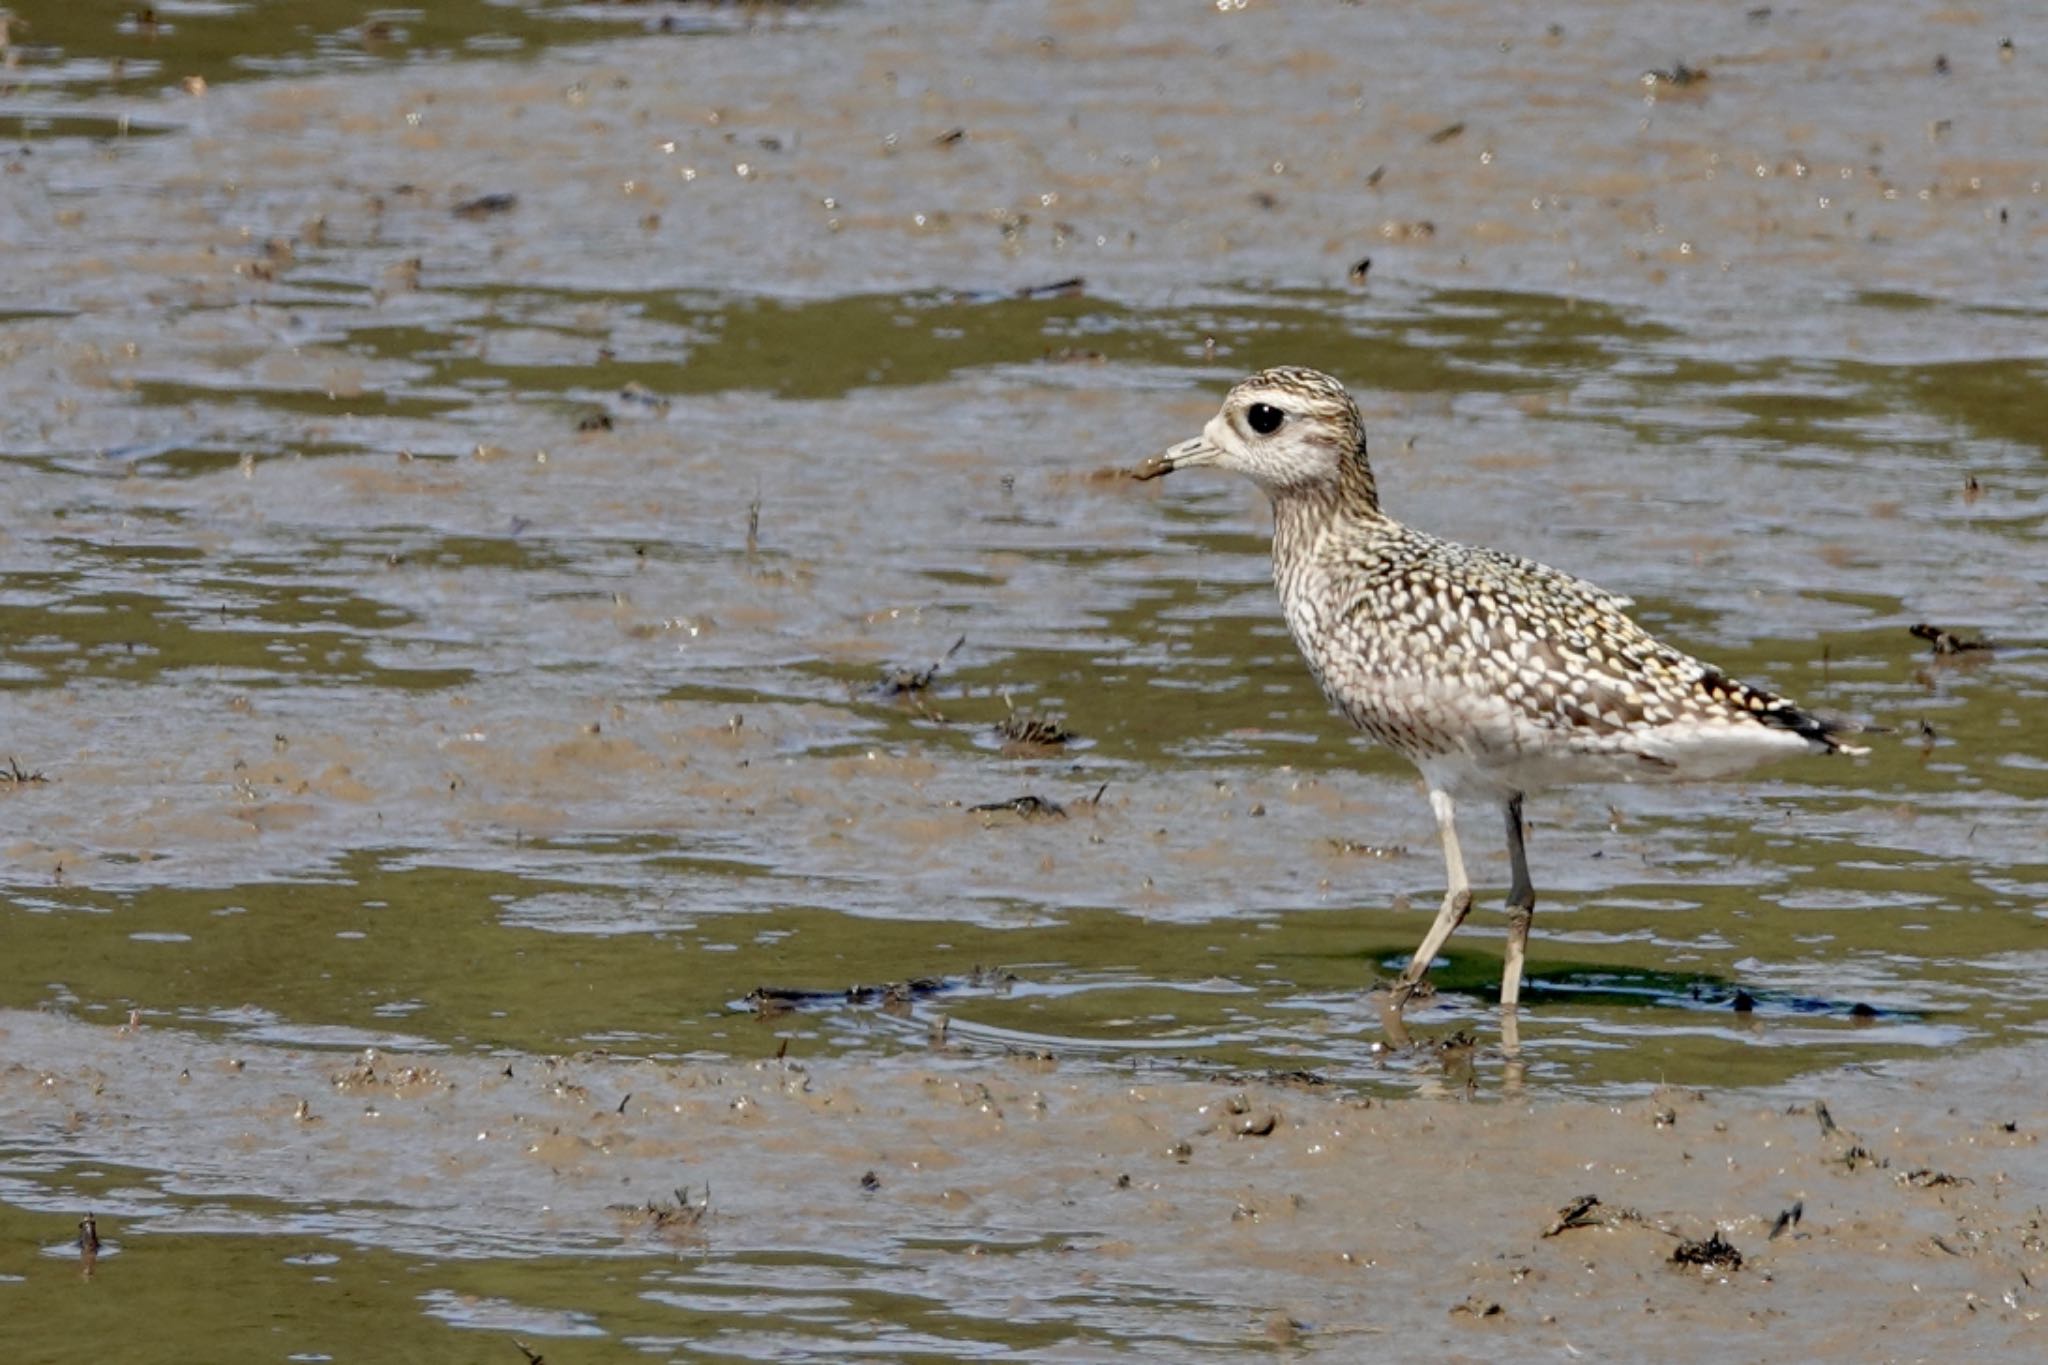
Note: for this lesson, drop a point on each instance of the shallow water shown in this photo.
(468, 632)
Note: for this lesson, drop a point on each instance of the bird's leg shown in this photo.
(1514, 1071)
(1457, 899)
(1521, 908)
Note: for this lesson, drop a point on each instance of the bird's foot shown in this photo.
(1404, 990)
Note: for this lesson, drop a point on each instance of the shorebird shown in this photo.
(1494, 675)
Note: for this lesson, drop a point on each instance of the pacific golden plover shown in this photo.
(1495, 675)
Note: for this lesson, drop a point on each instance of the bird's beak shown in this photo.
(1201, 450)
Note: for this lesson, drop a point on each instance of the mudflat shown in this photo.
(544, 545)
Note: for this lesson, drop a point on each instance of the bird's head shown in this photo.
(1287, 430)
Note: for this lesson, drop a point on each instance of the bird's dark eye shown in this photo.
(1264, 418)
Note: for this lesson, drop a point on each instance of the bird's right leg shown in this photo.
(1457, 899)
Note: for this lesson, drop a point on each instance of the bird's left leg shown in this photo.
(1521, 908)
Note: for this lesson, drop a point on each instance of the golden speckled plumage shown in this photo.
(1494, 674)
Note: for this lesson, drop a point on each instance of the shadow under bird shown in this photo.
(1495, 675)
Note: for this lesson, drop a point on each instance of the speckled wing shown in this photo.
(1556, 652)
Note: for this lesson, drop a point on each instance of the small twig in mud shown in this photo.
(1715, 1252)
(485, 205)
(1926, 1179)
(753, 528)
(1058, 289)
(1029, 806)
(1588, 1212)
(1944, 643)
(14, 775)
(1787, 1219)
(1577, 1214)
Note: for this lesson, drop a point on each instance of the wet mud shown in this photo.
(550, 543)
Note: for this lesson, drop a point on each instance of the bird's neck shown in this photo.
(1302, 511)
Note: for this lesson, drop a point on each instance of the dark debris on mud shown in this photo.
(14, 776)
(1029, 805)
(895, 996)
(1588, 1212)
(1944, 643)
(677, 1218)
(1031, 730)
(486, 206)
(897, 682)
(1715, 1252)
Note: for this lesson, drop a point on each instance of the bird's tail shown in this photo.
(1825, 733)
(1828, 733)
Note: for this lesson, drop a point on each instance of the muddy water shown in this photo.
(495, 627)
